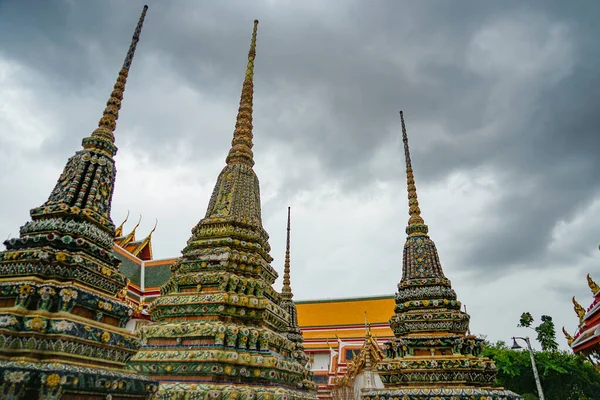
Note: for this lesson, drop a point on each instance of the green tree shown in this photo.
(564, 375)
(546, 332)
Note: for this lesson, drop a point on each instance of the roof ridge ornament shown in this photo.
(593, 285)
(579, 310)
(119, 230)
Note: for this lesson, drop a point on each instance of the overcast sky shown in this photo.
(501, 101)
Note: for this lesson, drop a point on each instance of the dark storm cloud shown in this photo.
(330, 79)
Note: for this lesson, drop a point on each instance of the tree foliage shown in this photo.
(564, 375)
(526, 320)
(546, 332)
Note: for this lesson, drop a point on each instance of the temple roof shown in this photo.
(345, 312)
(587, 336)
(157, 274)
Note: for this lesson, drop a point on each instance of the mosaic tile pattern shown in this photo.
(62, 307)
(220, 330)
(433, 356)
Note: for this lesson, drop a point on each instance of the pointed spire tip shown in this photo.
(241, 145)
(287, 288)
(416, 225)
(108, 122)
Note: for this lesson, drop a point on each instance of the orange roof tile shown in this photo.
(345, 312)
(353, 333)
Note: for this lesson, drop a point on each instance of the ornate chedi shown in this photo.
(62, 308)
(432, 356)
(220, 330)
(293, 332)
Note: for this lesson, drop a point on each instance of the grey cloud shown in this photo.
(330, 79)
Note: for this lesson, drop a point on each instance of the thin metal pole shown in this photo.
(535, 371)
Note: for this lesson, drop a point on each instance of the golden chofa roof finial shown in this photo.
(108, 122)
(287, 288)
(580, 311)
(119, 230)
(131, 235)
(593, 285)
(241, 145)
(416, 225)
(567, 336)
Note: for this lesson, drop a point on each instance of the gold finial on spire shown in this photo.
(593, 285)
(119, 230)
(416, 225)
(579, 310)
(241, 145)
(287, 289)
(108, 122)
(567, 336)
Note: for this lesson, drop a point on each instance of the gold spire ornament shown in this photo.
(593, 285)
(241, 145)
(579, 310)
(416, 225)
(108, 122)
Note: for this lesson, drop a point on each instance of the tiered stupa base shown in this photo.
(213, 360)
(457, 393)
(214, 391)
(52, 381)
(437, 367)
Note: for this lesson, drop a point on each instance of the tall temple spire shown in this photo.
(108, 122)
(420, 254)
(432, 341)
(62, 285)
(87, 181)
(218, 311)
(416, 225)
(286, 291)
(241, 145)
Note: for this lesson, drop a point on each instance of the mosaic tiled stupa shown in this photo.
(293, 332)
(62, 312)
(220, 331)
(432, 356)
